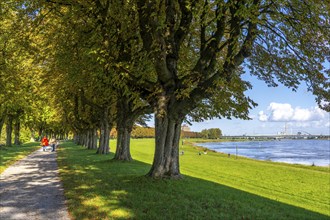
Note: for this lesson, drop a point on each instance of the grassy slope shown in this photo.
(214, 187)
(9, 155)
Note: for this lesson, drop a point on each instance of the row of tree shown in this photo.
(89, 66)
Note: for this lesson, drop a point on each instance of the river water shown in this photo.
(307, 152)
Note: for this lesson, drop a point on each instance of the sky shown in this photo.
(279, 110)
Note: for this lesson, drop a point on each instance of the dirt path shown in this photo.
(31, 189)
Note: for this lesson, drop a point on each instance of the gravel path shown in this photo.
(31, 189)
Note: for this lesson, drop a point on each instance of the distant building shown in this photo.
(185, 127)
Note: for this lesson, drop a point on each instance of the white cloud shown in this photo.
(262, 116)
(280, 112)
(283, 112)
(327, 124)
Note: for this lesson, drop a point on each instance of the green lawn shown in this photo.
(9, 155)
(214, 187)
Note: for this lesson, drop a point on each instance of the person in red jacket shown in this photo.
(44, 143)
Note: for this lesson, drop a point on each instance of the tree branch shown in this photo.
(144, 11)
(186, 18)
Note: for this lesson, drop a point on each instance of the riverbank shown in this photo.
(303, 152)
(214, 186)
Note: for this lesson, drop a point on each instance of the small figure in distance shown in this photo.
(44, 143)
(53, 143)
(182, 152)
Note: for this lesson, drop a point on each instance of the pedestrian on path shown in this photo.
(44, 143)
(53, 143)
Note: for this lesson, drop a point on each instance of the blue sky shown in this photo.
(277, 108)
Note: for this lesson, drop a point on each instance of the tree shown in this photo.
(127, 114)
(198, 47)
(212, 133)
(16, 69)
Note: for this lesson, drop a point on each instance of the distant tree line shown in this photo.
(137, 132)
(212, 133)
(148, 132)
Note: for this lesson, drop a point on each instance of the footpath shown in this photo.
(31, 189)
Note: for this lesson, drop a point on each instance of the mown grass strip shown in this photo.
(9, 155)
(214, 187)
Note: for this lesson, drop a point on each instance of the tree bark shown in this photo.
(104, 147)
(81, 138)
(125, 122)
(166, 158)
(9, 129)
(167, 138)
(76, 138)
(86, 138)
(92, 144)
(123, 142)
(17, 128)
(89, 138)
(2, 121)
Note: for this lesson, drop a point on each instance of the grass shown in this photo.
(214, 187)
(9, 155)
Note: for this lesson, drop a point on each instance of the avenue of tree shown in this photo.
(89, 66)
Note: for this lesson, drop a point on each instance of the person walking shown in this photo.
(53, 143)
(44, 143)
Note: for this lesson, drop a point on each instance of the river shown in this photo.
(307, 152)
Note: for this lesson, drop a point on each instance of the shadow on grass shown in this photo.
(100, 188)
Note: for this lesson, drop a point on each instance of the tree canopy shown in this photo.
(212, 133)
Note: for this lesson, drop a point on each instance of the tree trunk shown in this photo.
(167, 138)
(92, 144)
(104, 140)
(86, 138)
(125, 121)
(9, 130)
(104, 147)
(17, 132)
(76, 138)
(123, 142)
(79, 137)
(2, 121)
